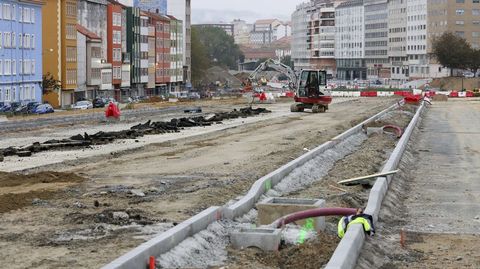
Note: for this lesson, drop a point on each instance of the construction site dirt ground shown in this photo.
(431, 214)
(96, 207)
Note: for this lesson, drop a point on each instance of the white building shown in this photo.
(241, 31)
(376, 39)
(350, 41)
(300, 23)
(181, 9)
(417, 38)
(397, 40)
(267, 31)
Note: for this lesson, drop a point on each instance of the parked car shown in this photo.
(99, 102)
(10, 107)
(83, 105)
(27, 109)
(43, 109)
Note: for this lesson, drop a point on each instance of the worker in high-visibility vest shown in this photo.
(359, 218)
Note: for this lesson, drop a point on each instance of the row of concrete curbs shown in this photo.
(148, 128)
(140, 256)
(348, 250)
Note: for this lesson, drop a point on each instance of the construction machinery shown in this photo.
(309, 86)
(311, 92)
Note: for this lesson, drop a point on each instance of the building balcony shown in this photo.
(144, 31)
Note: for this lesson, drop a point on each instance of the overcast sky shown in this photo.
(209, 11)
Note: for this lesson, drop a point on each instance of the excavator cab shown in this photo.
(311, 92)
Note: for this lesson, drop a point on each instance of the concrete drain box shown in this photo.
(277, 207)
(263, 238)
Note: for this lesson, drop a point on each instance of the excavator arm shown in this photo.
(279, 67)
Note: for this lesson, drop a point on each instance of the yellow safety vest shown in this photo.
(345, 223)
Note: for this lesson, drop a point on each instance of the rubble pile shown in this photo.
(148, 128)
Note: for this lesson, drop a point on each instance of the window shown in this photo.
(20, 11)
(21, 65)
(476, 1)
(460, 12)
(7, 42)
(26, 67)
(475, 34)
(32, 41)
(71, 76)
(26, 41)
(6, 12)
(460, 1)
(1, 93)
(13, 94)
(32, 69)
(71, 31)
(22, 94)
(14, 67)
(475, 12)
(20, 40)
(71, 10)
(32, 15)
(459, 22)
(26, 15)
(7, 94)
(13, 14)
(117, 37)
(476, 22)
(71, 55)
(14, 40)
(8, 67)
(1, 69)
(460, 33)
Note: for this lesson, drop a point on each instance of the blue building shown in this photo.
(152, 5)
(20, 51)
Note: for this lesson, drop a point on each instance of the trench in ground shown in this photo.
(357, 155)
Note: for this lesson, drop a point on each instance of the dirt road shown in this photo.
(129, 196)
(436, 198)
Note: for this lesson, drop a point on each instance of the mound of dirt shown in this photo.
(455, 83)
(19, 190)
(15, 179)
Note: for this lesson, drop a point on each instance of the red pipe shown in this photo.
(396, 128)
(311, 213)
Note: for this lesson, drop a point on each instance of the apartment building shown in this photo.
(397, 40)
(92, 19)
(59, 58)
(161, 56)
(241, 31)
(20, 51)
(181, 11)
(321, 37)
(376, 39)
(350, 41)
(176, 71)
(116, 41)
(265, 32)
(300, 23)
(151, 54)
(94, 73)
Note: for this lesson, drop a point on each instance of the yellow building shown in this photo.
(60, 48)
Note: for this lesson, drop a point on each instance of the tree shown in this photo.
(220, 47)
(452, 51)
(474, 61)
(49, 83)
(200, 60)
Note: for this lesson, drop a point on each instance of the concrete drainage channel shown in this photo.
(201, 241)
(347, 252)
